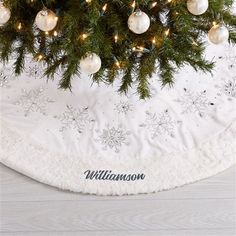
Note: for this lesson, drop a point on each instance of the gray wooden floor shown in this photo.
(204, 208)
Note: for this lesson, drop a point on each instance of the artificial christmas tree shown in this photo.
(133, 39)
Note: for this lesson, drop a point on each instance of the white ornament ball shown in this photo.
(46, 20)
(197, 7)
(5, 14)
(139, 22)
(90, 64)
(218, 34)
(233, 9)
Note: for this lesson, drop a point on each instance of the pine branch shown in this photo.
(127, 81)
(20, 58)
(178, 39)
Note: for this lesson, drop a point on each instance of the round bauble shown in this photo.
(90, 64)
(139, 22)
(46, 20)
(197, 7)
(5, 14)
(233, 9)
(218, 34)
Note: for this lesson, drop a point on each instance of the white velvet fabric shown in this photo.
(180, 135)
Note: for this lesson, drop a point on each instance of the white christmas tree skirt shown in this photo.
(95, 141)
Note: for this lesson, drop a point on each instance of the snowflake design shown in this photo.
(5, 78)
(74, 118)
(113, 138)
(195, 102)
(230, 57)
(229, 88)
(159, 124)
(123, 107)
(33, 101)
(34, 71)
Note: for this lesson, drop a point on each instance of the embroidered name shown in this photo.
(108, 175)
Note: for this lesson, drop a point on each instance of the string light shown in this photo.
(140, 49)
(88, 1)
(46, 33)
(104, 8)
(167, 32)
(40, 57)
(19, 26)
(116, 38)
(117, 64)
(84, 36)
(153, 4)
(154, 40)
(214, 23)
(133, 5)
(55, 33)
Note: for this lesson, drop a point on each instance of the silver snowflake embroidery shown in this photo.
(34, 71)
(159, 124)
(33, 101)
(229, 88)
(5, 77)
(113, 138)
(77, 119)
(230, 57)
(194, 102)
(123, 107)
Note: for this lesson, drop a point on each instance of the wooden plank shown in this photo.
(203, 232)
(14, 187)
(118, 215)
